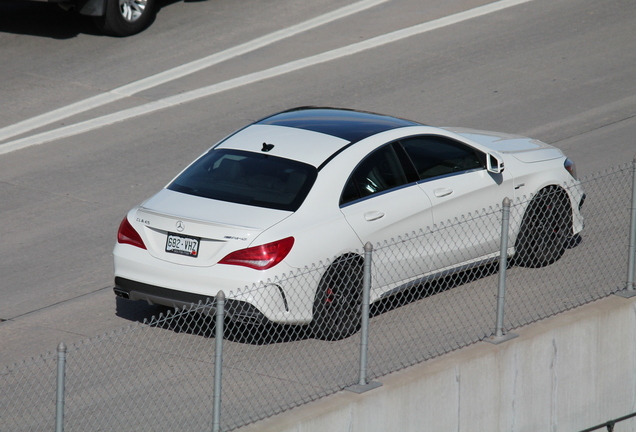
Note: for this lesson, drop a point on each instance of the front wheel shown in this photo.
(126, 17)
(545, 229)
(337, 305)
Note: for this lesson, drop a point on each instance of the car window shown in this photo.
(435, 156)
(378, 172)
(256, 179)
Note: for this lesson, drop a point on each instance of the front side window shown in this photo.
(248, 178)
(379, 172)
(435, 156)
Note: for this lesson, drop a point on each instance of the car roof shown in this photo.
(311, 134)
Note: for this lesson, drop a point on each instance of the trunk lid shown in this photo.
(216, 227)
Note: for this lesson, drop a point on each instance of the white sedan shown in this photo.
(313, 185)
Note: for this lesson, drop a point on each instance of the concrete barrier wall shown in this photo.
(565, 373)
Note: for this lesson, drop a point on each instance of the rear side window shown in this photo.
(379, 172)
(255, 179)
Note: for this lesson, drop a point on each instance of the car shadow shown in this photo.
(43, 20)
(431, 288)
(139, 311)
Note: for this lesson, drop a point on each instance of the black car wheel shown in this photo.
(545, 229)
(337, 305)
(127, 17)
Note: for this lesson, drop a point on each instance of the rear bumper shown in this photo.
(235, 310)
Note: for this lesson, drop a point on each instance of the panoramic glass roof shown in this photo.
(346, 124)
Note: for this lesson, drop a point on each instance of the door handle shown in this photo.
(373, 215)
(442, 192)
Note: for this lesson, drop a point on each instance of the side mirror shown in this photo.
(494, 163)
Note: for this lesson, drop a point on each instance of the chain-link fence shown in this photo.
(430, 292)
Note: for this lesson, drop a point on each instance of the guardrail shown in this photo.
(167, 373)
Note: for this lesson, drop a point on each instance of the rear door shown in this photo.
(384, 205)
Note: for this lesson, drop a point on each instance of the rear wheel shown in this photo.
(126, 17)
(545, 229)
(337, 305)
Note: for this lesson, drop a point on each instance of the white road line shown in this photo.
(180, 71)
(190, 96)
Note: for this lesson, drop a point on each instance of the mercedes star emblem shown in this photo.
(180, 226)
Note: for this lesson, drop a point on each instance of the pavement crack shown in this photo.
(57, 303)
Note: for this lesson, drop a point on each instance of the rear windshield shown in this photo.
(248, 178)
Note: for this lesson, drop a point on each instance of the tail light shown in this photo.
(128, 235)
(260, 257)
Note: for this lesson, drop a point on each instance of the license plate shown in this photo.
(182, 245)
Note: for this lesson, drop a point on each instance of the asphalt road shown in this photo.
(84, 135)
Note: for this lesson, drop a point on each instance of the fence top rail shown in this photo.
(610, 424)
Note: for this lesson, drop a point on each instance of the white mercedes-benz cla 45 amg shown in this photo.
(313, 185)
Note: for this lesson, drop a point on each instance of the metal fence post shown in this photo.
(61, 380)
(362, 385)
(630, 286)
(503, 267)
(632, 235)
(218, 361)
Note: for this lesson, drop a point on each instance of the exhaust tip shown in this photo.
(121, 293)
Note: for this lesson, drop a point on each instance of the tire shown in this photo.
(126, 17)
(337, 305)
(545, 229)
